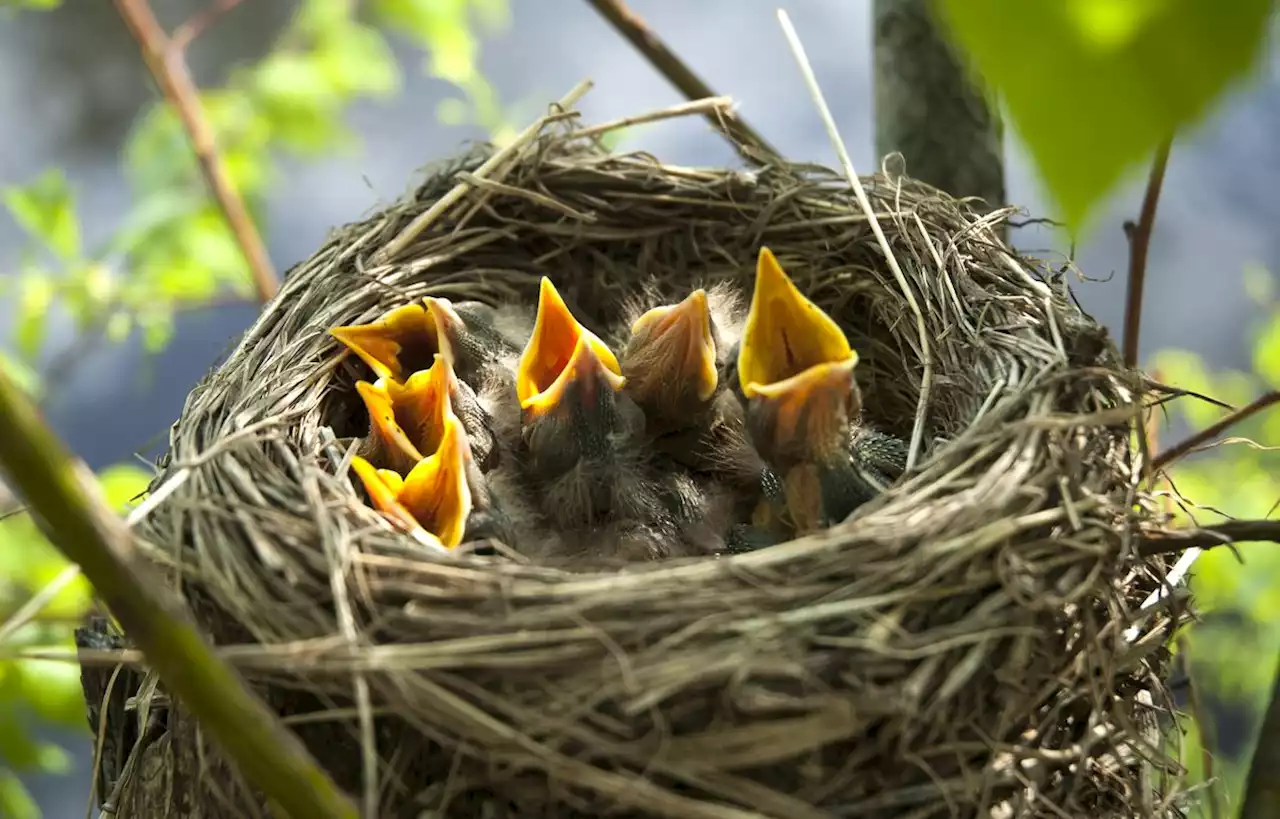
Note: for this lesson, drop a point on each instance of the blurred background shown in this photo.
(120, 287)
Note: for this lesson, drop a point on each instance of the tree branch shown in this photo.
(1208, 433)
(59, 489)
(198, 23)
(1206, 537)
(631, 26)
(1139, 243)
(168, 68)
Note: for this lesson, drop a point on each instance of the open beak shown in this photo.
(785, 333)
(434, 496)
(399, 343)
(561, 353)
(396, 447)
(423, 403)
(686, 348)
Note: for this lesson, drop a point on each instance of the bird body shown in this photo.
(795, 371)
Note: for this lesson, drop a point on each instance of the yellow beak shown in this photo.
(400, 342)
(810, 410)
(683, 349)
(423, 402)
(561, 352)
(434, 496)
(785, 333)
(397, 449)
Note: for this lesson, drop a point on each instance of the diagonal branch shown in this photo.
(1205, 537)
(1139, 244)
(66, 503)
(631, 26)
(168, 68)
(1213, 430)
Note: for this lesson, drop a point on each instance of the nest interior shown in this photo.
(954, 649)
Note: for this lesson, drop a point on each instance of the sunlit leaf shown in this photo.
(1093, 86)
(53, 690)
(358, 60)
(46, 209)
(122, 483)
(36, 296)
(1266, 351)
(15, 801)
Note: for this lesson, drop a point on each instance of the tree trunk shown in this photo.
(928, 109)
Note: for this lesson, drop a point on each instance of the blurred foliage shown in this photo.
(1093, 86)
(171, 250)
(1233, 652)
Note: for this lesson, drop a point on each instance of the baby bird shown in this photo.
(410, 420)
(433, 499)
(583, 439)
(672, 361)
(470, 334)
(795, 372)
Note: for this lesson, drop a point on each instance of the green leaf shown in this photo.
(1259, 284)
(440, 27)
(53, 690)
(122, 483)
(36, 298)
(358, 61)
(46, 209)
(1093, 86)
(15, 801)
(1266, 352)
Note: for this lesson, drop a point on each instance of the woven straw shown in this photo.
(957, 648)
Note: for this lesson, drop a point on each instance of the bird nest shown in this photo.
(961, 646)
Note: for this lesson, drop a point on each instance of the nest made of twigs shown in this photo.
(955, 649)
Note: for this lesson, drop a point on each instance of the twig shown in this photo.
(59, 489)
(683, 109)
(425, 219)
(170, 72)
(793, 39)
(38, 601)
(1262, 788)
(198, 24)
(631, 26)
(1139, 243)
(1203, 436)
(1206, 537)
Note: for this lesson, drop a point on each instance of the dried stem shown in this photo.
(1139, 244)
(631, 26)
(164, 59)
(1205, 537)
(59, 489)
(1208, 433)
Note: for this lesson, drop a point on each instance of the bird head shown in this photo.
(434, 497)
(795, 369)
(400, 342)
(564, 362)
(670, 359)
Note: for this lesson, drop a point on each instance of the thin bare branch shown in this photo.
(637, 32)
(1207, 434)
(1139, 244)
(1205, 537)
(169, 70)
(200, 22)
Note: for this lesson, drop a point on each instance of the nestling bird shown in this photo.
(795, 371)
(434, 496)
(583, 438)
(470, 334)
(672, 360)
(409, 423)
